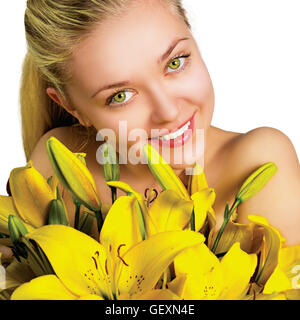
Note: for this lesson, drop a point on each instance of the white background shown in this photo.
(251, 49)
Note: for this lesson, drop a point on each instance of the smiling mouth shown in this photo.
(175, 133)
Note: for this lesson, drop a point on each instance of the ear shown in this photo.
(56, 97)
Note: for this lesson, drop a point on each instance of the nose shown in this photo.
(163, 104)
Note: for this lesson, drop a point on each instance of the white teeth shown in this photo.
(175, 134)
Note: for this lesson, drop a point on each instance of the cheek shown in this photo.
(122, 126)
(198, 84)
(198, 90)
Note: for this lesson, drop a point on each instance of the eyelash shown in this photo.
(118, 105)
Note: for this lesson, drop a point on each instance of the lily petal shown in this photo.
(144, 210)
(47, 287)
(203, 201)
(177, 285)
(235, 232)
(238, 267)
(270, 249)
(204, 278)
(77, 259)
(288, 258)
(277, 282)
(170, 212)
(197, 180)
(142, 266)
(120, 226)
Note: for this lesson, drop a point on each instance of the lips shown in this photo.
(176, 129)
(178, 141)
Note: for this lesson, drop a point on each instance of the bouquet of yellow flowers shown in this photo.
(158, 246)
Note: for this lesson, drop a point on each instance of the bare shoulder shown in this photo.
(279, 200)
(266, 142)
(39, 156)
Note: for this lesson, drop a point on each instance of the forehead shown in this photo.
(123, 45)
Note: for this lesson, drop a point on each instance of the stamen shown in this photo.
(102, 274)
(106, 267)
(118, 252)
(120, 246)
(95, 262)
(156, 194)
(145, 193)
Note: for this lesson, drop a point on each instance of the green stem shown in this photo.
(224, 224)
(99, 219)
(77, 214)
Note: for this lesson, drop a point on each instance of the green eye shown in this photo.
(119, 97)
(175, 64)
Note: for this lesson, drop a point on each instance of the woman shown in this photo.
(92, 64)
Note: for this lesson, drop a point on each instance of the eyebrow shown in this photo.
(163, 57)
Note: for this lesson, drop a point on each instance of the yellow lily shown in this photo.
(73, 174)
(30, 198)
(208, 278)
(198, 190)
(119, 267)
(169, 211)
(91, 274)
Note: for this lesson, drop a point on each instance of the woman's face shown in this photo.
(144, 68)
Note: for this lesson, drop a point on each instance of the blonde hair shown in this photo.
(53, 30)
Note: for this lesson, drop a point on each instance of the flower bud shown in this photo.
(16, 228)
(256, 181)
(163, 173)
(58, 212)
(31, 194)
(110, 165)
(73, 174)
